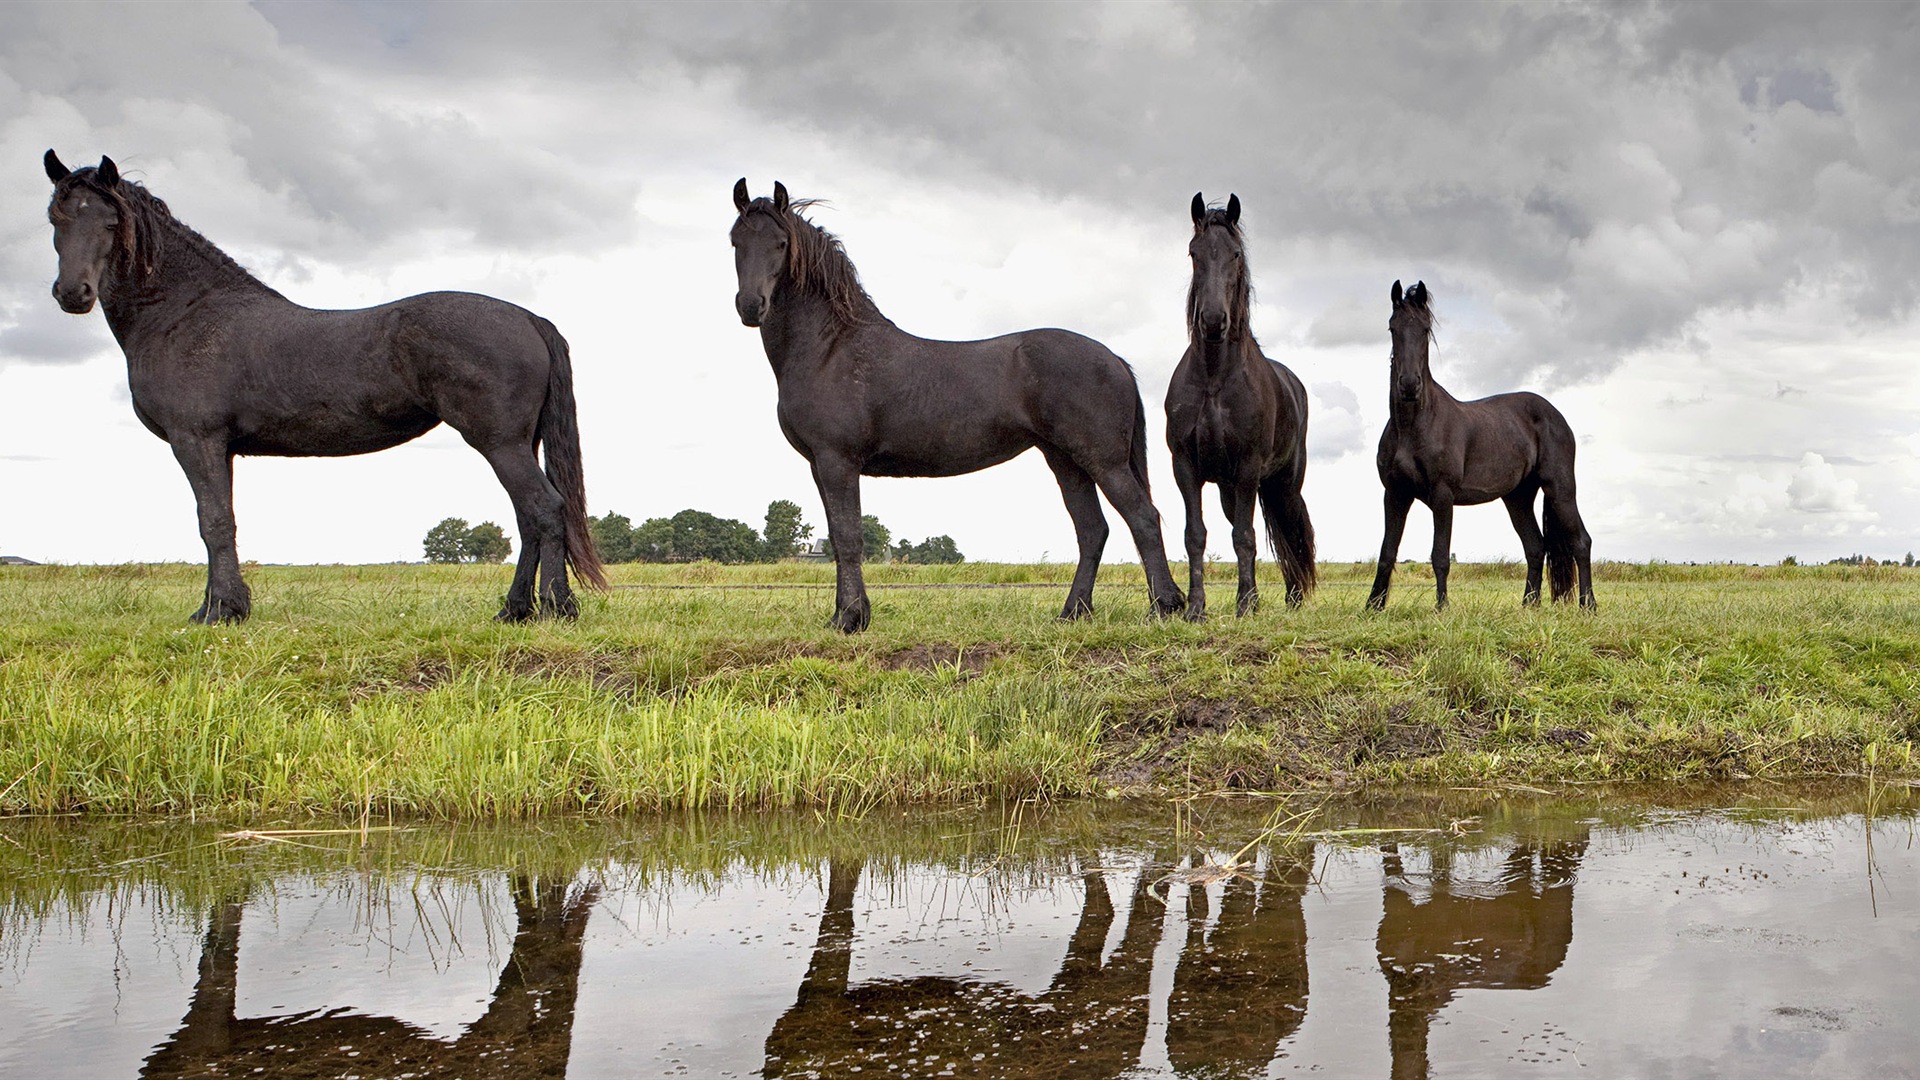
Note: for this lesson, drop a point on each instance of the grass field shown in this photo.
(388, 690)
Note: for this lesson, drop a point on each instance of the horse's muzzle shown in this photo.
(752, 309)
(75, 301)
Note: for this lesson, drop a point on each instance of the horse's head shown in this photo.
(1219, 296)
(1411, 327)
(92, 229)
(762, 250)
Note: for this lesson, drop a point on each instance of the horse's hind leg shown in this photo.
(1130, 498)
(1089, 529)
(209, 468)
(1568, 542)
(1237, 500)
(1520, 508)
(540, 512)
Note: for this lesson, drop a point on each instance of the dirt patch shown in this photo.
(931, 657)
(1395, 737)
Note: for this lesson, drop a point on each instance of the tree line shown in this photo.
(693, 535)
(690, 536)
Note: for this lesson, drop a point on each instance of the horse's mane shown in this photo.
(145, 227)
(817, 264)
(1240, 304)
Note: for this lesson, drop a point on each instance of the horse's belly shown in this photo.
(922, 463)
(328, 434)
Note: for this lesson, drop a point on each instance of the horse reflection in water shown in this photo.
(527, 1029)
(1444, 932)
(1239, 990)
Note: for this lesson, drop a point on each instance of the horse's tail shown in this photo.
(559, 438)
(1290, 531)
(1561, 537)
(1137, 450)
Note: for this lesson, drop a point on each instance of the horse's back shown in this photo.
(312, 381)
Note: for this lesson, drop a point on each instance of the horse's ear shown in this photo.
(1199, 207)
(1417, 296)
(779, 197)
(1396, 292)
(56, 172)
(740, 199)
(108, 174)
(1233, 209)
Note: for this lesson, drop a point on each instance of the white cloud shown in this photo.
(1816, 488)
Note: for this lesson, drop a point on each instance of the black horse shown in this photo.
(859, 396)
(1236, 419)
(219, 364)
(1449, 453)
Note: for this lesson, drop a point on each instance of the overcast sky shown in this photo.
(1696, 228)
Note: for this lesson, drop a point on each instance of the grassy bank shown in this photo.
(388, 690)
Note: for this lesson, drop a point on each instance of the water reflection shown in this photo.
(1090, 1021)
(527, 1029)
(1442, 931)
(1089, 945)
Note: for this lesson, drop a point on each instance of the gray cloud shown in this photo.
(1607, 173)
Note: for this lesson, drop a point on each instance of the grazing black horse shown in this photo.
(219, 364)
(1236, 419)
(1449, 453)
(859, 396)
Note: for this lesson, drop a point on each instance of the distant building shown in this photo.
(15, 560)
(815, 551)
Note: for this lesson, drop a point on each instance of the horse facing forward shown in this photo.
(1449, 453)
(859, 396)
(1236, 419)
(219, 364)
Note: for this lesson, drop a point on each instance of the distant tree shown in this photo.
(653, 540)
(785, 532)
(936, 549)
(875, 537)
(613, 536)
(1789, 561)
(1908, 561)
(486, 543)
(453, 541)
(903, 551)
(444, 541)
(700, 535)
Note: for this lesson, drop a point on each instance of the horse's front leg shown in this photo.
(1397, 505)
(208, 464)
(1187, 476)
(838, 481)
(1239, 503)
(1442, 546)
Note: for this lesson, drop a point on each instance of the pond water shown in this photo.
(1716, 932)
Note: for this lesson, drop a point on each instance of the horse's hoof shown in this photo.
(564, 607)
(1376, 603)
(1247, 605)
(1076, 610)
(1196, 615)
(514, 613)
(215, 612)
(852, 620)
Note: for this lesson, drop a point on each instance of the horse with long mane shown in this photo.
(861, 397)
(219, 364)
(1236, 419)
(1449, 453)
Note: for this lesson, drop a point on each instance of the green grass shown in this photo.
(388, 690)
